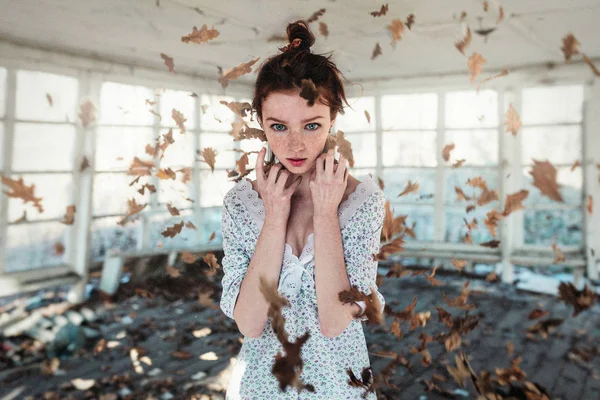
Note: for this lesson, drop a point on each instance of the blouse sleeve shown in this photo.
(235, 263)
(360, 266)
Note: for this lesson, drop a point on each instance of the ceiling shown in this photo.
(135, 32)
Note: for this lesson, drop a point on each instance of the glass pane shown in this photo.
(557, 144)
(112, 192)
(571, 187)
(181, 151)
(456, 229)
(422, 216)
(214, 187)
(2, 91)
(223, 144)
(354, 119)
(34, 245)
(363, 149)
(126, 104)
(410, 149)
(159, 222)
(471, 110)
(33, 89)
(41, 147)
(116, 147)
(1, 145)
(217, 117)
(549, 105)
(107, 234)
(55, 191)
(396, 179)
(477, 147)
(459, 176)
(543, 227)
(211, 222)
(409, 111)
(176, 192)
(182, 102)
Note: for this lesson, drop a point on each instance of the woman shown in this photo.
(306, 224)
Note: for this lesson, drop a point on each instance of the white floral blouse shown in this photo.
(325, 359)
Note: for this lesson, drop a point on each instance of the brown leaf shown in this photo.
(344, 147)
(181, 355)
(514, 202)
(173, 210)
(87, 113)
(85, 164)
(513, 122)
(502, 73)
(485, 6)
(179, 120)
(236, 72)
(69, 217)
(188, 257)
(139, 167)
(212, 236)
(382, 11)
(590, 205)
(461, 300)
(239, 108)
(376, 51)
(576, 164)
(491, 221)
(315, 16)
(410, 188)
(580, 299)
(151, 188)
(168, 62)
(493, 244)
(133, 209)
(323, 29)
(589, 62)
(189, 225)
(410, 20)
(18, 190)
(396, 28)
(388, 249)
(211, 260)
(537, 313)
(570, 46)
(173, 230)
(544, 178)
(59, 248)
(209, 155)
(49, 98)
(166, 174)
(446, 151)
(459, 264)
(186, 174)
(475, 64)
(463, 44)
(560, 257)
(458, 163)
(172, 271)
(200, 36)
(500, 15)
(461, 194)
(21, 219)
(367, 116)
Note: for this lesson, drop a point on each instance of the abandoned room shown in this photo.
(140, 203)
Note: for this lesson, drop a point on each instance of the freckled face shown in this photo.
(294, 129)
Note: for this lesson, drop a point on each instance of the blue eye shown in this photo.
(275, 127)
(315, 126)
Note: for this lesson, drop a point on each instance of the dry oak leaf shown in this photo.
(513, 122)
(458, 163)
(491, 221)
(446, 151)
(570, 46)
(459, 264)
(69, 217)
(209, 155)
(169, 63)
(475, 64)
(463, 44)
(166, 174)
(344, 147)
(537, 313)
(59, 248)
(382, 11)
(514, 202)
(173, 210)
(590, 204)
(560, 257)
(368, 116)
(376, 51)
(236, 72)
(87, 113)
(133, 208)
(410, 20)
(544, 178)
(211, 260)
(323, 29)
(49, 98)
(580, 299)
(173, 272)
(502, 73)
(188, 257)
(240, 108)
(186, 174)
(18, 190)
(493, 244)
(589, 62)
(173, 230)
(410, 188)
(576, 164)
(315, 16)
(396, 28)
(200, 36)
(388, 249)
(85, 164)
(140, 167)
(179, 119)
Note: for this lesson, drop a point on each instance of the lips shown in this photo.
(296, 159)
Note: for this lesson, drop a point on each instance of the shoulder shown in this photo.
(232, 195)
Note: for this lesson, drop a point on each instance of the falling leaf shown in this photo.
(173, 210)
(150, 103)
(461, 194)
(236, 72)
(85, 164)
(20, 191)
(21, 219)
(155, 114)
(491, 244)
(410, 188)
(537, 313)
(502, 73)
(544, 178)
(212, 236)
(179, 119)
(446, 151)
(133, 209)
(87, 113)
(514, 202)
(323, 29)
(168, 62)
(475, 64)
(49, 98)
(491, 221)
(570, 46)
(513, 122)
(580, 299)
(59, 248)
(209, 155)
(186, 174)
(459, 264)
(241, 109)
(344, 147)
(576, 164)
(172, 271)
(49, 366)
(315, 16)
(500, 15)
(396, 28)
(200, 36)
(410, 20)
(211, 260)
(382, 11)
(151, 188)
(139, 167)
(560, 257)
(368, 116)
(463, 44)
(173, 230)
(589, 62)
(485, 6)
(204, 107)
(189, 225)
(376, 51)
(166, 174)
(181, 355)
(69, 217)
(458, 163)
(590, 205)
(188, 257)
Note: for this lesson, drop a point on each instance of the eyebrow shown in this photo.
(284, 122)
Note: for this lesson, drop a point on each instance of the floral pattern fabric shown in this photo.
(325, 359)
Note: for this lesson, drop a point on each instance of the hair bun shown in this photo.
(299, 30)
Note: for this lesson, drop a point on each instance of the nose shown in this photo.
(295, 143)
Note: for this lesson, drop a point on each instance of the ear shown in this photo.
(331, 125)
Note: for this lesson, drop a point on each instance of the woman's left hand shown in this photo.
(328, 183)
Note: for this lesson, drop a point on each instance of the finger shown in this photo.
(260, 160)
(329, 162)
(296, 184)
(283, 178)
(273, 172)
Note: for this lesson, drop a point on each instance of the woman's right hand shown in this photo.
(272, 189)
